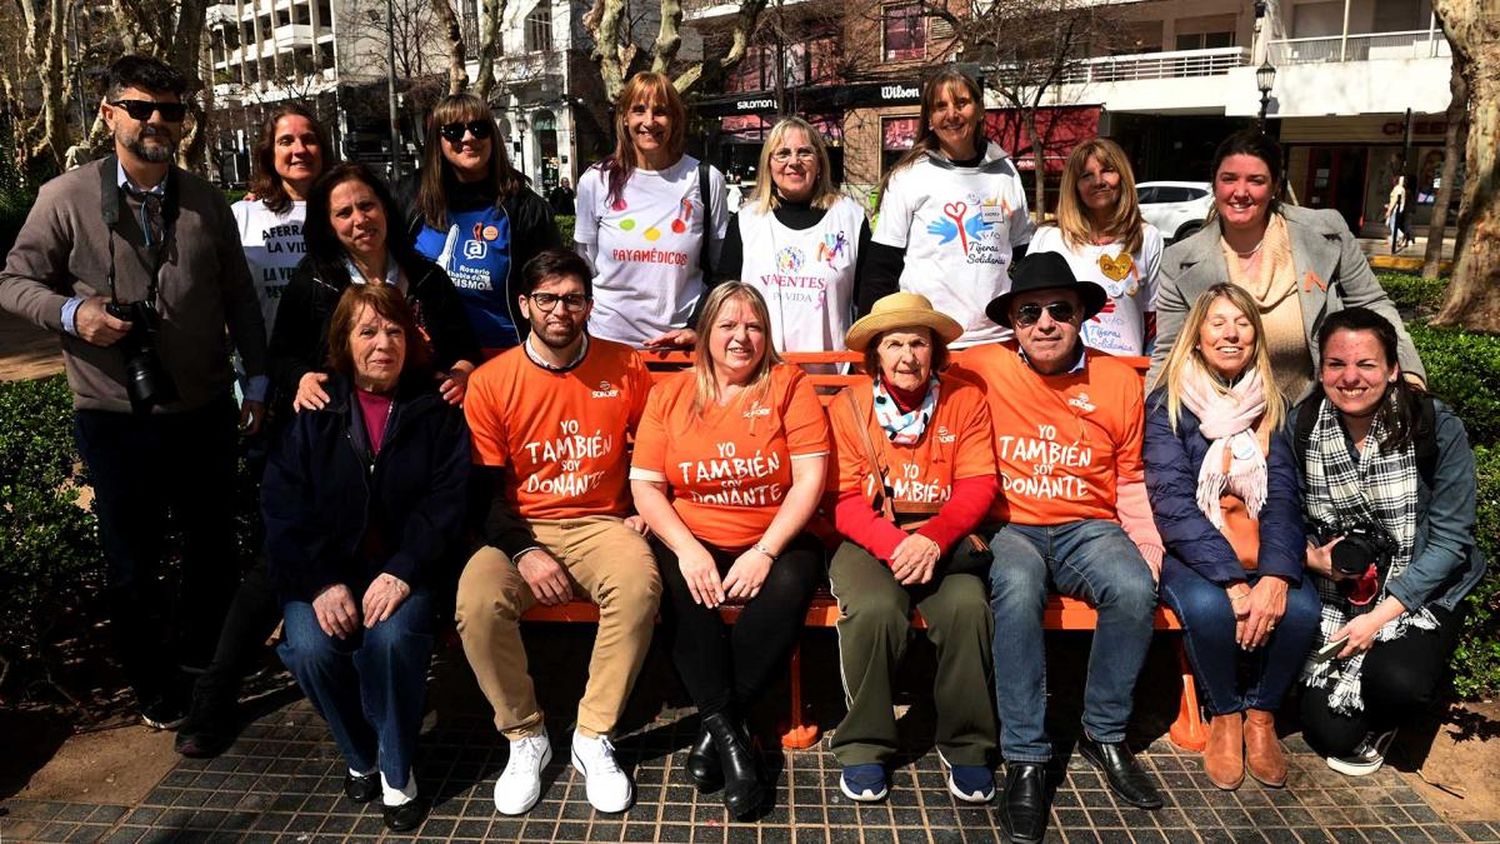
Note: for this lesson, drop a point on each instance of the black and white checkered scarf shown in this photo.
(1379, 489)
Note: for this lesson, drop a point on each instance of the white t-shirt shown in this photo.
(807, 276)
(647, 248)
(1129, 279)
(959, 227)
(273, 247)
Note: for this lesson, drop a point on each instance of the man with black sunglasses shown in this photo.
(1068, 431)
(137, 265)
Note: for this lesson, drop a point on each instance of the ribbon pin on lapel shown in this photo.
(1311, 280)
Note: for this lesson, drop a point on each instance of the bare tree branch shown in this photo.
(489, 47)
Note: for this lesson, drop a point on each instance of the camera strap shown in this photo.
(112, 196)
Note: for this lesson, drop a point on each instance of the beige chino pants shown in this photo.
(606, 562)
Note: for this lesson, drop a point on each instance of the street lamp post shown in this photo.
(390, 78)
(1265, 78)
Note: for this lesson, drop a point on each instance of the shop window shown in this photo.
(904, 32)
(539, 29)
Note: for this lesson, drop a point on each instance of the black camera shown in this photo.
(147, 382)
(1361, 546)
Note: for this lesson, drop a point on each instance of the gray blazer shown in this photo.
(1322, 245)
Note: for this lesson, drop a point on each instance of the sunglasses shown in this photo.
(1029, 313)
(547, 301)
(454, 132)
(141, 109)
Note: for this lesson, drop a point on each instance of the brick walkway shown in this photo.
(281, 782)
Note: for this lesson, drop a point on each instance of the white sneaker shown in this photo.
(1366, 758)
(520, 784)
(608, 788)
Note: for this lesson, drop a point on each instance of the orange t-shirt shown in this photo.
(956, 445)
(1064, 443)
(728, 470)
(562, 433)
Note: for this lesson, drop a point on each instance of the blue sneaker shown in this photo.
(970, 783)
(863, 783)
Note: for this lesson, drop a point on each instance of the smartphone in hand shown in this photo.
(1330, 650)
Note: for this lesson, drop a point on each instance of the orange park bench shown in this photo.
(1062, 613)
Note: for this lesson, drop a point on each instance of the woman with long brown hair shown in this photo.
(952, 215)
(650, 220)
(475, 216)
(1101, 233)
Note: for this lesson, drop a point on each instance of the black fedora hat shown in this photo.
(1045, 271)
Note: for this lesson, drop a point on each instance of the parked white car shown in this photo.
(1177, 209)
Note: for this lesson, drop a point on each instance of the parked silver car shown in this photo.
(1177, 209)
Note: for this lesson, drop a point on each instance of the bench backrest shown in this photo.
(827, 383)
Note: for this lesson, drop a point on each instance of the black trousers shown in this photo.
(151, 473)
(1400, 680)
(252, 617)
(726, 667)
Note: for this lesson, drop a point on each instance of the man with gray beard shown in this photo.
(136, 265)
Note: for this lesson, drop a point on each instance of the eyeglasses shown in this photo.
(784, 155)
(454, 132)
(574, 302)
(141, 109)
(1029, 313)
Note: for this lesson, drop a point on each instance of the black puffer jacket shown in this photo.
(299, 341)
(336, 514)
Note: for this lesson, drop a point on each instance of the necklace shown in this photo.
(1258, 245)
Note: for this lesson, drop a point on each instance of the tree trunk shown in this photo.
(607, 37)
(1039, 161)
(744, 27)
(1473, 301)
(458, 75)
(45, 35)
(1453, 148)
(668, 36)
(489, 48)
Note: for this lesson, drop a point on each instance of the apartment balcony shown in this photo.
(1177, 64)
(1352, 74)
(1381, 46)
(1185, 81)
(294, 35)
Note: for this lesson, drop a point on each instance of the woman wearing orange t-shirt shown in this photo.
(913, 474)
(727, 470)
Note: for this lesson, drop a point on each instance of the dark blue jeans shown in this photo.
(1208, 629)
(369, 687)
(150, 473)
(1091, 559)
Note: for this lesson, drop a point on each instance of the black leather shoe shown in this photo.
(406, 817)
(1023, 807)
(209, 730)
(361, 789)
(743, 792)
(702, 765)
(1124, 774)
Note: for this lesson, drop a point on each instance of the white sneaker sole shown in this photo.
(1355, 769)
(953, 789)
(607, 808)
(864, 796)
(521, 810)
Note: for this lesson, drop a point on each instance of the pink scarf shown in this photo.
(1227, 419)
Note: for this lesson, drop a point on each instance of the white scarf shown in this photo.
(1227, 419)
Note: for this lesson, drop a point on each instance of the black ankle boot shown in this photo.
(743, 792)
(703, 762)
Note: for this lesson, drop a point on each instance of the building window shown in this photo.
(1210, 32)
(539, 29)
(903, 33)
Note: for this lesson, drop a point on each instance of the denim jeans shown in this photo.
(1208, 630)
(369, 687)
(1091, 559)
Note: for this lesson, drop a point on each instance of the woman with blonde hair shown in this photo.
(650, 221)
(727, 472)
(952, 216)
(475, 216)
(799, 242)
(1223, 484)
(1102, 235)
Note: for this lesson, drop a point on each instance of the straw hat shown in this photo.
(900, 310)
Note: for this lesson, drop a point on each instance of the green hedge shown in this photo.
(50, 563)
(1476, 662)
(1463, 368)
(1412, 293)
(565, 228)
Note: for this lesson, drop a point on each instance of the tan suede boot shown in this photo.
(1224, 756)
(1263, 754)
